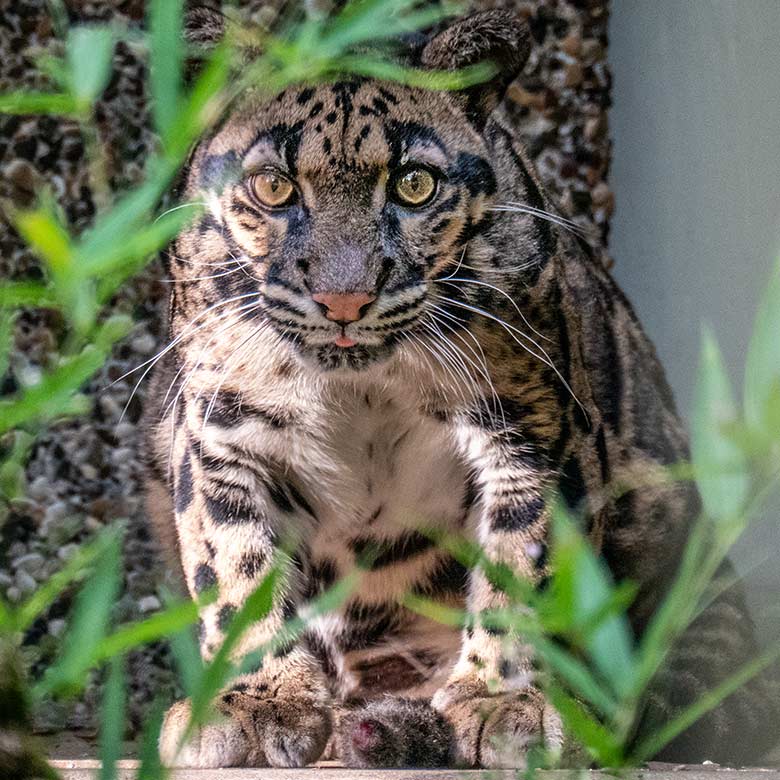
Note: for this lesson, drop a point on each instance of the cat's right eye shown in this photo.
(272, 189)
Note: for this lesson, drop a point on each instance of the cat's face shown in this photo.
(334, 209)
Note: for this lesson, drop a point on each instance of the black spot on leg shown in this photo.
(204, 578)
(449, 576)
(299, 499)
(184, 491)
(251, 564)
(375, 554)
(225, 616)
(322, 575)
(225, 512)
(515, 518)
(572, 484)
(289, 607)
(285, 648)
(279, 497)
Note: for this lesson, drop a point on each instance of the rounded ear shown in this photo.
(497, 36)
(203, 26)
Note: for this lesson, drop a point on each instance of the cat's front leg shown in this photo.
(231, 512)
(490, 699)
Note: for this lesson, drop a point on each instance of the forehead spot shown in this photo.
(304, 96)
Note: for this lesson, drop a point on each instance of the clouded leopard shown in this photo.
(377, 328)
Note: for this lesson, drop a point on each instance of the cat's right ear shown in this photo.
(204, 27)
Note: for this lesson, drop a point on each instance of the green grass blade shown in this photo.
(112, 719)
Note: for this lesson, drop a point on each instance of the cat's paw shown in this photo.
(254, 730)
(496, 730)
(394, 732)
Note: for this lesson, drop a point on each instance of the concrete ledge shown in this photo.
(88, 770)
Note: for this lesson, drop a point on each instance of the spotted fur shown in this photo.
(498, 362)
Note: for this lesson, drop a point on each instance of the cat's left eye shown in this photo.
(414, 187)
(272, 189)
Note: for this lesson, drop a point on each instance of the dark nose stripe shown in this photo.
(344, 307)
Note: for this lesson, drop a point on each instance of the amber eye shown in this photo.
(272, 189)
(414, 187)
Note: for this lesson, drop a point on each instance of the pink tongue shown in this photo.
(345, 341)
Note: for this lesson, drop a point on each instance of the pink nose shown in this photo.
(344, 307)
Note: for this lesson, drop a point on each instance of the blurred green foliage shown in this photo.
(596, 678)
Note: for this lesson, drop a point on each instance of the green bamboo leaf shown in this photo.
(171, 620)
(18, 294)
(216, 673)
(575, 675)
(89, 624)
(721, 467)
(186, 654)
(7, 324)
(676, 611)
(39, 103)
(166, 57)
(88, 50)
(762, 367)
(577, 570)
(677, 725)
(416, 77)
(47, 236)
(205, 101)
(112, 719)
(149, 754)
(119, 263)
(121, 222)
(54, 396)
(13, 480)
(591, 734)
(74, 570)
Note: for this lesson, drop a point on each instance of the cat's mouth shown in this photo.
(344, 341)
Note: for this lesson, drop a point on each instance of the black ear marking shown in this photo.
(204, 26)
(497, 36)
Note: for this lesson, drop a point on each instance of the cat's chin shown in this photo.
(360, 357)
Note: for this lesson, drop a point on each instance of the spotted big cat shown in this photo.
(381, 334)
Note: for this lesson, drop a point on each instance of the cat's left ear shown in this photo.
(497, 36)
